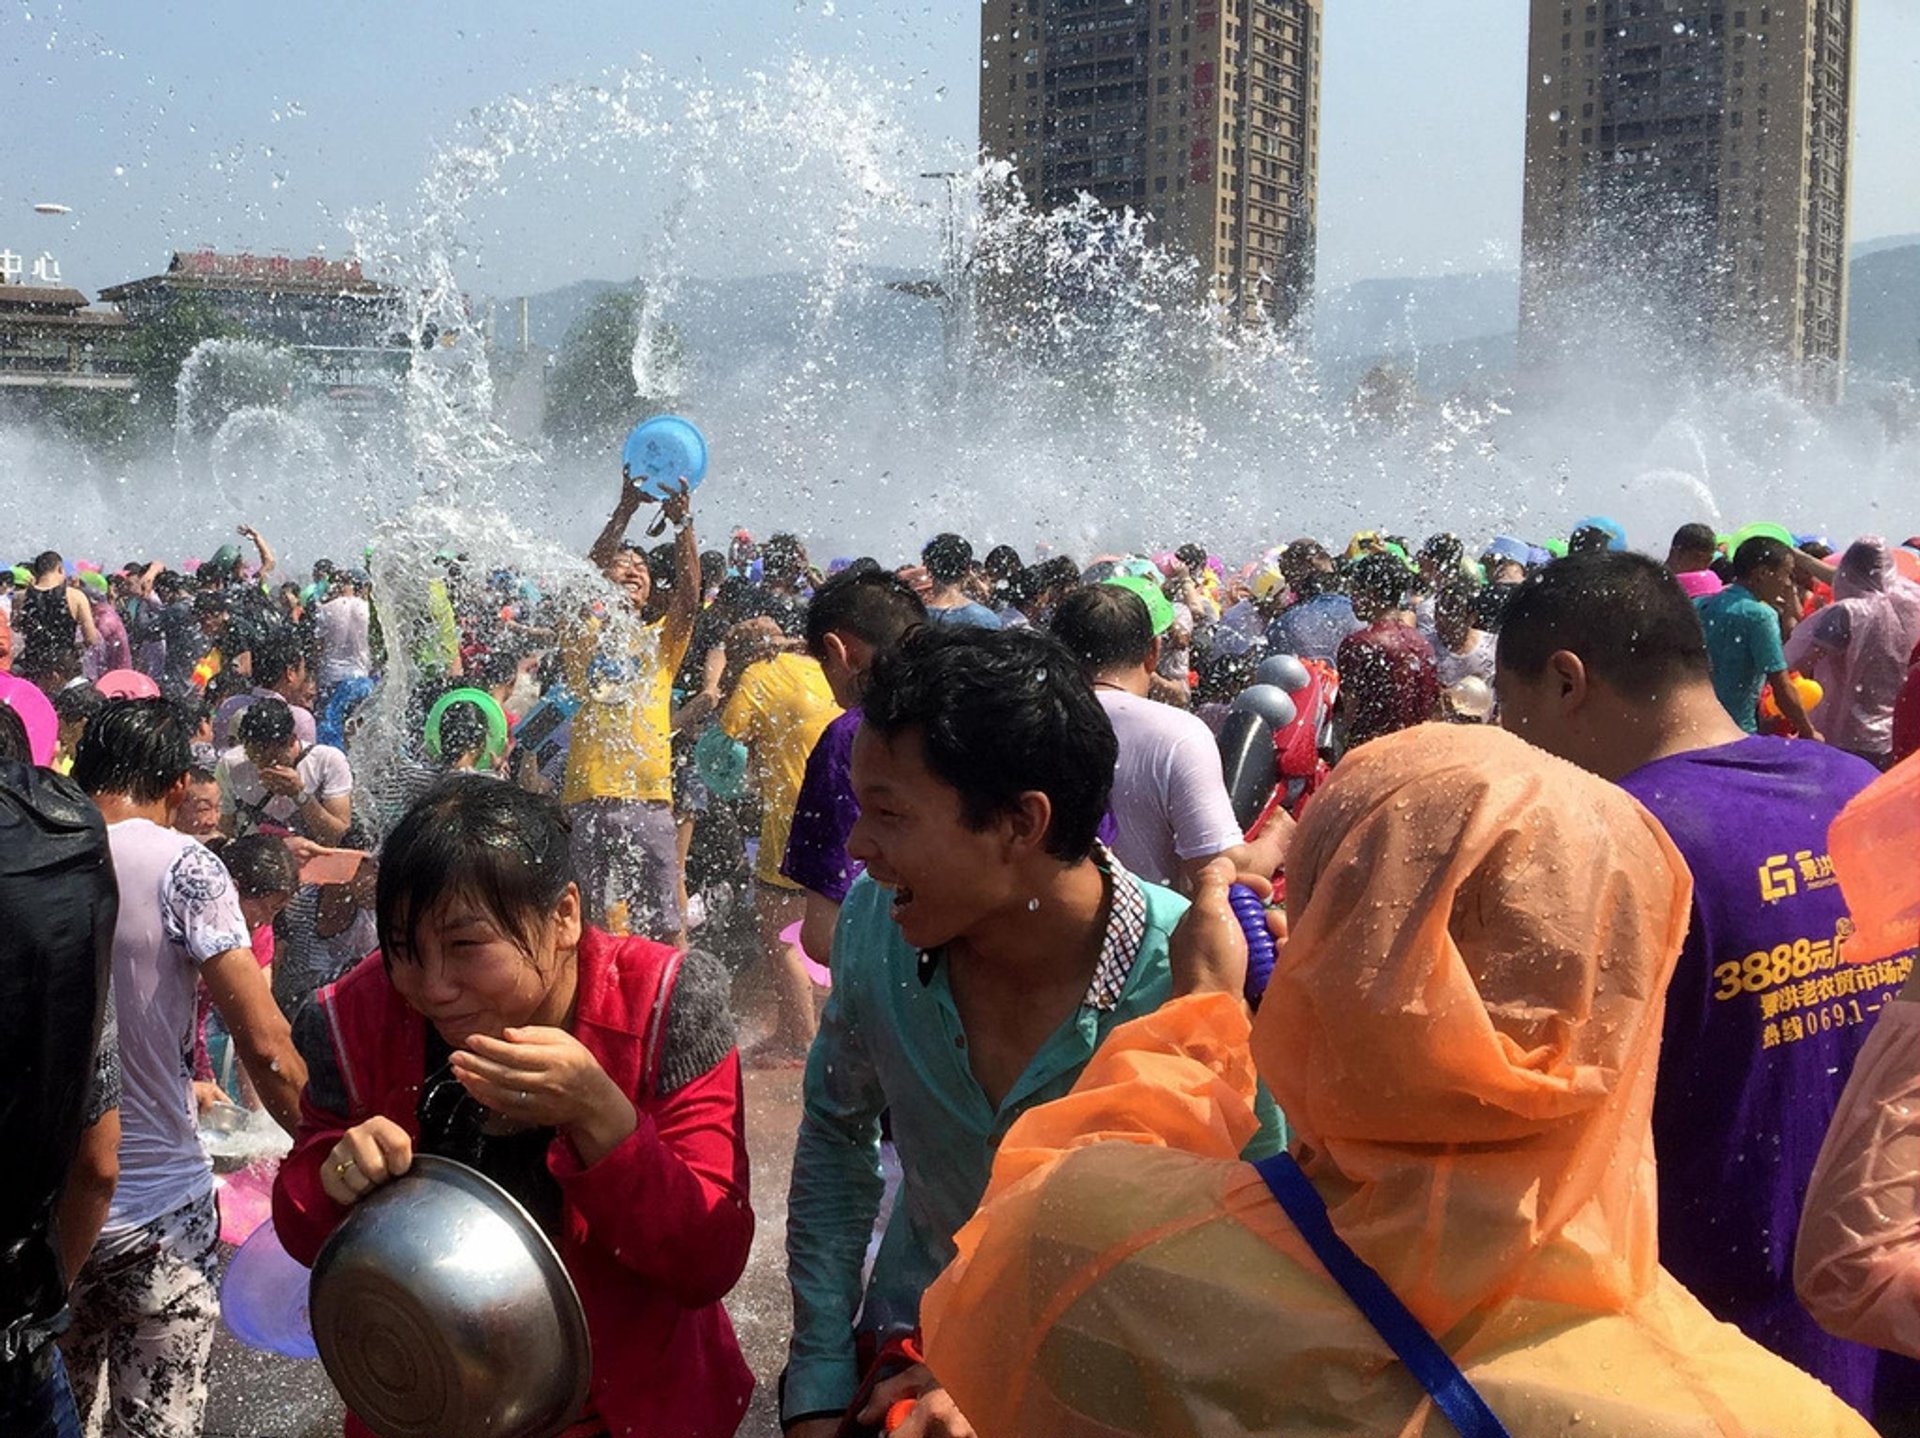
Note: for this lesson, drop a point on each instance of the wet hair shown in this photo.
(1444, 550)
(492, 842)
(1760, 552)
(1002, 563)
(209, 601)
(135, 747)
(947, 557)
(661, 566)
(14, 744)
(872, 605)
(1224, 675)
(463, 730)
(1381, 578)
(265, 722)
(713, 568)
(783, 557)
(1628, 619)
(276, 654)
(1194, 556)
(1104, 626)
(169, 584)
(1694, 539)
(47, 562)
(77, 703)
(200, 774)
(260, 865)
(1000, 713)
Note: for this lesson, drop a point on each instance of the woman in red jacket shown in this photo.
(593, 1077)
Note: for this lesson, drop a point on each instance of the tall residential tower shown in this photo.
(1204, 114)
(1697, 150)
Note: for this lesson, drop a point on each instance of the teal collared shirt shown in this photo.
(891, 1039)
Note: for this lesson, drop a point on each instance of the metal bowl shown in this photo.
(439, 1307)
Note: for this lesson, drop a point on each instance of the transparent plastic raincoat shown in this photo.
(1463, 1030)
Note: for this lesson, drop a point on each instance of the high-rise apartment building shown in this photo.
(1699, 151)
(1204, 114)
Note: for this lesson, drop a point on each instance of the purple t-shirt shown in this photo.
(816, 857)
(1763, 1026)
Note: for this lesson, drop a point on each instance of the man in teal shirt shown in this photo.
(1744, 646)
(989, 949)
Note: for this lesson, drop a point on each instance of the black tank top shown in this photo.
(43, 627)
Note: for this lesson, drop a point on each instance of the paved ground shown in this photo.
(259, 1395)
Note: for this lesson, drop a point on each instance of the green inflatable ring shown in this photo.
(489, 706)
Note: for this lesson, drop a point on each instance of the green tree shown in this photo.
(592, 398)
(160, 346)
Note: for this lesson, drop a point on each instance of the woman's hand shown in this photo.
(544, 1076)
(368, 1155)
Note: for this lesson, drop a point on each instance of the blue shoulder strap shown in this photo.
(1412, 1344)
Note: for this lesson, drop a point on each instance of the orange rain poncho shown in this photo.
(1463, 1030)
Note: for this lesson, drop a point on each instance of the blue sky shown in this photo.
(244, 125)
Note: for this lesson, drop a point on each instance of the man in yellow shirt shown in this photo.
(618, 788)
(778, 709)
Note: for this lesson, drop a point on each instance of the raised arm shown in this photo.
(247, 531)
(624, 509)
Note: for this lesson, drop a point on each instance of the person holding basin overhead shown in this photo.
(593, 1077)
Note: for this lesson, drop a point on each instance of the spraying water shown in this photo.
(1043, 377)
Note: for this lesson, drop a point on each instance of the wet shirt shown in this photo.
(620, 746)
(1763, 1026)
(778, 710)
(178, 908)
(1388, 681)
(976, 615)
(1743, 645)
(1170, 798)
(891, 1039)
(247, 806)
(1314, 628)
(824, 815)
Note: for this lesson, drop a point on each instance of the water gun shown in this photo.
(898, 1352)
(1807, 691)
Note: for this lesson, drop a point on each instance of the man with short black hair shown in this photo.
(280, 671)
(1690, 560)
(949, 560)
(51, 621)
(1603, 662)
(852, 618)
(270, 780)
(1742, 624)
(1170, 798)
(145, 1304)
(988, 949)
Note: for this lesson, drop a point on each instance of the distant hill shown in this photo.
(1450, 330)
(1883, 323)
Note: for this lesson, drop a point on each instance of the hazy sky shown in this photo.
(241, 125)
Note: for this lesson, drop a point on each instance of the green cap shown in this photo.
(1159, 607)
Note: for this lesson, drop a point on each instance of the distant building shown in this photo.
(1698, 150)
(51, 339)
(348, 328)
(1203, 113)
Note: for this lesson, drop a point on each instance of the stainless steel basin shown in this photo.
(442, 1311)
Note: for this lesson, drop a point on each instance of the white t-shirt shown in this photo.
(1169, 793)
(346, 652)
(323, 769)
(1477, 661)
(178, 908)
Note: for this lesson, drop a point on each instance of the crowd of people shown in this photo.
(1568, 994)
